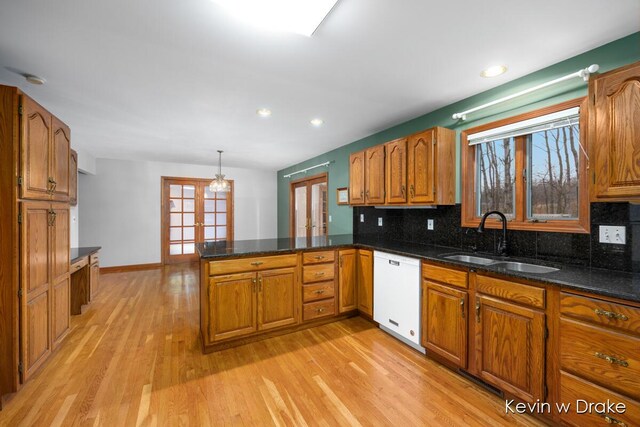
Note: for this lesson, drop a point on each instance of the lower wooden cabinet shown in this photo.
(277, 298)
(364, 279)
(94, 277)
(347, 280)
(510, 347)
(61, 309)
(444, 322)
(36, 344)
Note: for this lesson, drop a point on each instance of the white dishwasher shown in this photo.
(396, 297)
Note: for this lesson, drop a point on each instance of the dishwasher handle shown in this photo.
(396, 263)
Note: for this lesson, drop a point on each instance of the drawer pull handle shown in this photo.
(320, 273)
(257, 263)
(320, 291)
(611, 314)
(320, 310)
(319, 257)
(611, 359)
(462, 307)
(611, 420)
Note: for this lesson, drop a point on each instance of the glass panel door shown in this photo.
(300, 211)
(182, 221)
(319, 209)
(309, 207)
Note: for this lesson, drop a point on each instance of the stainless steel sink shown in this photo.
(471, 259)
(525, 268)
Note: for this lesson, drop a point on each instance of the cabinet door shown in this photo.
(365, 281)
(510, 347)
(374, 175)
(617, 133)
(348, 298)
(94, 280)
(396, 164)
(35, 285)
(61, 309)
(60, 241)
(59, 157)
(421, 167)
(35, 151)
(277, 298)
(444, 322)
(356, 178)
(232, 305)
(73, 178)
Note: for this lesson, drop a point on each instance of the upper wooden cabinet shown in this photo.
(45, 148)
(416, 170)
(615, 134)
(374, 175)
(356, 178)
(396, 171)
(73, 178)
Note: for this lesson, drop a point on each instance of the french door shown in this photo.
(308, 203)
(191, 213)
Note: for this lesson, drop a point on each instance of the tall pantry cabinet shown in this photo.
(34, 229)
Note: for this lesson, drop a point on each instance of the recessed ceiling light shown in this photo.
(293, 16)
(263, 112)
(35, 80)
(317, 122)
(494, 71)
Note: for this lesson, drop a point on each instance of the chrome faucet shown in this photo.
(502, 243)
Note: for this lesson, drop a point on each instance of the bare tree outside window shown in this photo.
(496, 176)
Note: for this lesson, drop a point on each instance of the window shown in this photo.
(531, 167)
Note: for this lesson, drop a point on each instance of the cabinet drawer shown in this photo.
(318, 257)
(517, 292)
(599, 312)
(319, 291)
(605, 357)
(315, 310)
(317, 273)
(251, 264)
(78, 265)
(445, 275)
(94, 258)
(573, 389)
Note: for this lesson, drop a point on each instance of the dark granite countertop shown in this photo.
(77, 253)
(617, 284)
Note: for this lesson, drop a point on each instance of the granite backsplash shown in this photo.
(410, 225)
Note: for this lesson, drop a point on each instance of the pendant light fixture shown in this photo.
(220, 185)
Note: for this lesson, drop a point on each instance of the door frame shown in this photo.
(164, 217)
(319, 177)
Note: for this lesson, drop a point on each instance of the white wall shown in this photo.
(86, 165)
(120, 207)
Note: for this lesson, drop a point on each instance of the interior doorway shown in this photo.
(308, 207)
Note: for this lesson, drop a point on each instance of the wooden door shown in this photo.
(191, 213)
(73, 178)
(510, 347)
(34, 151)
(374, 175)
(347, 277)
(37, 218)
(277, 298)
(444, 322)
(60, 243)
(308, 207)
(59, 158)
(365, 281)
(232, 305)
(617, 133)
(422, 167)
(396, 164)
(356, 178)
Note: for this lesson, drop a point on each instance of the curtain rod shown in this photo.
(289, 175)
(584, 73)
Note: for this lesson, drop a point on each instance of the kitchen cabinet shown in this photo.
(73, 178)
(277, 298)
(364, 280)
(60, 155)
(94, 276)
(614, 125)
(318, 288)
(347, 280)
(374, 184)
(396, 171)
(232, 306)
(356, 178)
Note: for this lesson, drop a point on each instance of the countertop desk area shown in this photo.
(85, 276)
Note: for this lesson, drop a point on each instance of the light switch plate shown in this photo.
(379, 222)
(361, 217)
(429, 224)
(612, 234)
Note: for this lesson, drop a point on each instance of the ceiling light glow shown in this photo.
(263, 112)
(494, 71)
(293, 16)
(317, 122)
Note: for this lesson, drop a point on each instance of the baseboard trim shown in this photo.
(134, 267)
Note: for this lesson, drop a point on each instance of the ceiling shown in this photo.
(174, 80)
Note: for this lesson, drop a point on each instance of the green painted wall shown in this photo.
(613, 55)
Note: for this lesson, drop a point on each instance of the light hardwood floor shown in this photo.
(133, 358)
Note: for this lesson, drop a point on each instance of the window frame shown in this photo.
(520, 221)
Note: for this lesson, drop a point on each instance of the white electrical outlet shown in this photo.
(379, 222)
(361, 217)
(613, 234)
(329, 218)
(429, 224)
